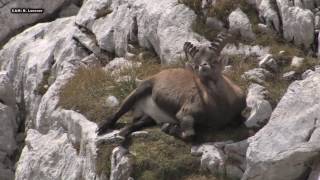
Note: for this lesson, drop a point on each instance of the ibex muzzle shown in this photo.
(180, 98)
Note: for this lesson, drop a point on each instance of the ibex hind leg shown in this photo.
(144, 121)
(143, 89)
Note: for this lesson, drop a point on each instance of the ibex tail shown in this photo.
(143, 89)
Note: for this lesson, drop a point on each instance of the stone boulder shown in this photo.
(260, 108)
(296, 20)
(8, 143)
(284, 148)
(239, 21)
(12, 23)
(256, 75)
(268, 15)
(163, 26)
(121, 165)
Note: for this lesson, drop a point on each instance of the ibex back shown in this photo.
(185, 97)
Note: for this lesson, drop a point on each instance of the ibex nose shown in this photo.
(204, 64)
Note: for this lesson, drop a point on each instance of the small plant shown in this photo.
(44, 84)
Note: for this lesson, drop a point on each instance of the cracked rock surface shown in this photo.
(283, 148)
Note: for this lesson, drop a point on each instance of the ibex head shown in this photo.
(205, 59)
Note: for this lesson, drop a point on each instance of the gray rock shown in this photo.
(224, 158)
(121, 165)
(294, 21)
(290, 141)
(297, 62)
(112, 101)
(11, 23)
(70, 10)
(119, 64)
(239, 21)
(258, 75)
(89, 42)
(268, 62)
(160, 25)
(6, 90)
(315, 172)
(307, 73)
(268, 14)
(260, 108)
(42, 155)
(246, 50)
(212, 158)
(8, 143)
(289, 76)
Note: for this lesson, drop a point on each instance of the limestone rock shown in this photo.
(70, 10)
(294, 21)
(268, 62)
(48, 156)
(163, 26)
(8, 143)
(239, 21)
(119, 64)
(260, 108)
(297, 62)
(7, 96)
(112, 101)
(246, 50)
(212, 158)
(290, 141)
(11, 23)
(258, 75)
(121, 165)
(289, 76)
(268, 14)
(225, 158)
(307, 73)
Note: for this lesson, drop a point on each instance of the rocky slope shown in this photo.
(62, 144)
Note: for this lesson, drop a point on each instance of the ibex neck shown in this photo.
(213, 79)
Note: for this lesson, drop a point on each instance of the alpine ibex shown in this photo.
(184, 97)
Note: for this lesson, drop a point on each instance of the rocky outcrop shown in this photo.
(224, 158)
(162, 26)
(268, 14)
(121, 165)
(294, 21)
(245, 50)
(8, 128)
(12, 23)
(50, 128)
(239, 21)
(284, 147)
(260, 107)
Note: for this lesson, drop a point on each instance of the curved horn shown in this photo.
(220, 41)
(190, 49)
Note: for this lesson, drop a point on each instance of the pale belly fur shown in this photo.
(147, 106)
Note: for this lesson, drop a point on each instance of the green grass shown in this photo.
(161, 157)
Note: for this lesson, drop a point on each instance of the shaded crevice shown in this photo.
(275, 6)
(311, 131)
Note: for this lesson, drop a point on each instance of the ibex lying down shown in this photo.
(184, 97)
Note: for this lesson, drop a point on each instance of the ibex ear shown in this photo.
(190, 49)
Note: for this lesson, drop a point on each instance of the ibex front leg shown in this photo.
(186, 125)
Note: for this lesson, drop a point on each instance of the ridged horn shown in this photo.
(190, 49)
(220, 41)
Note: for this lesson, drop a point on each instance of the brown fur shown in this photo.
(185, 97)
